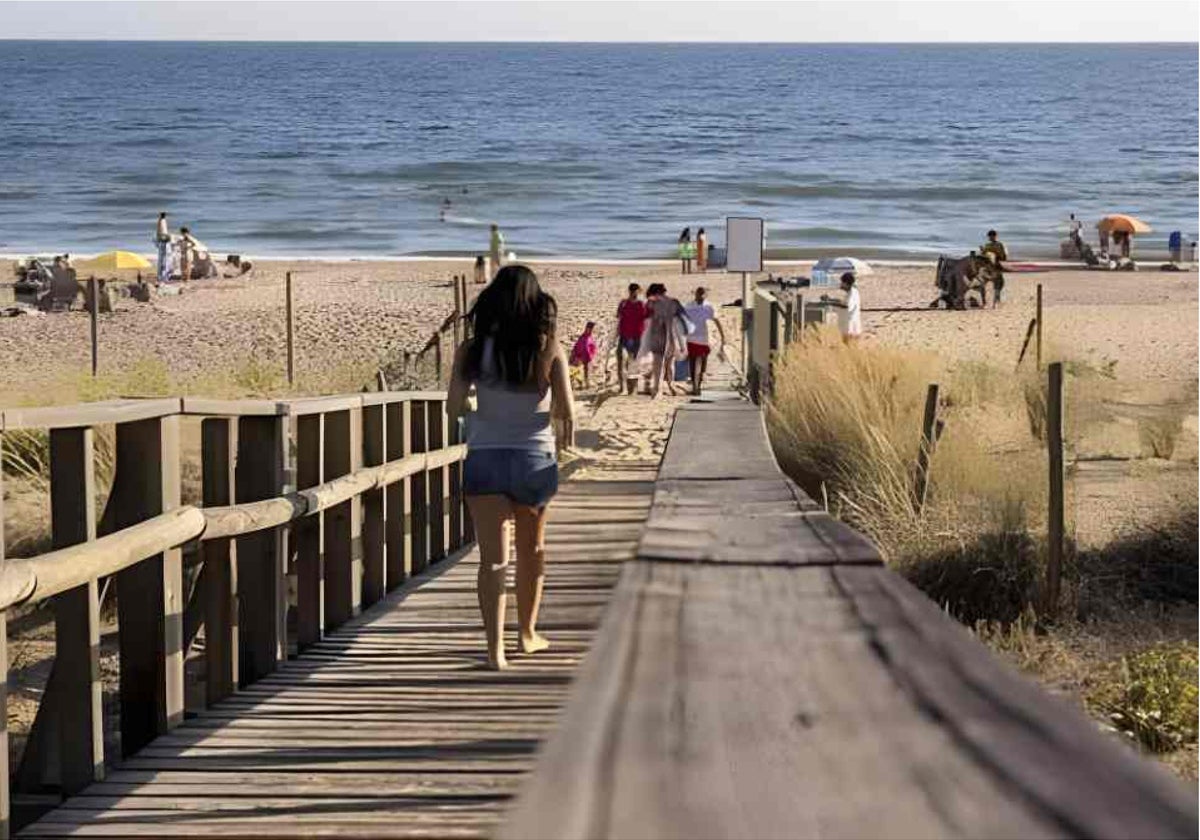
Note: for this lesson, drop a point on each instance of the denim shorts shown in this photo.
(630, 345)
(526, 476)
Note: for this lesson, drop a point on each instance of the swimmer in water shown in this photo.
(445, 207)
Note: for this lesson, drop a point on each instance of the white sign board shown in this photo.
(743, 244)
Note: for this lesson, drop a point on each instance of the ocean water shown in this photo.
(590, 150)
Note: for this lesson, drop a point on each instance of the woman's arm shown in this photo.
(562, 403)
(456, 398)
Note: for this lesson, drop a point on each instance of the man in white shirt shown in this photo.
(849, 310)
(700, 312)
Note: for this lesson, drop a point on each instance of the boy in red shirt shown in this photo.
(631, 320)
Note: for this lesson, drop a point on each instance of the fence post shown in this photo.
(218, 445)
(150, 597)
(374, 438)
(437, 356)
(261, 556)
(291, 329)
(1039, 326)
(79, 710)
(93, 298)
(419, 488)
(1054, 442)
(928, 438)
(789, 323)
(310, 572)
(343, 563)
(397, 500)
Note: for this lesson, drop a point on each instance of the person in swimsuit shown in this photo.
(520, 376)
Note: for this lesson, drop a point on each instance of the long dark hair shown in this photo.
(520, 319)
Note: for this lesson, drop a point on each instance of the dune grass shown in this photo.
(845, 422)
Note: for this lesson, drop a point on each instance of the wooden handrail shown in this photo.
(38, 578)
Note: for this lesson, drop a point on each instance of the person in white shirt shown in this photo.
(849, 310)
(700, 312)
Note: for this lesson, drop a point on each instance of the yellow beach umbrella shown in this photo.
(113, 261)
(1120, 223)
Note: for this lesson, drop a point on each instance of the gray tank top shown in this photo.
(506, 417)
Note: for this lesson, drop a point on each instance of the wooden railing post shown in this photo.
(373, 514)
(1038, 318)
(343, 522)
(1055, 523)
(262, 602)
(291, 333)
(925, 452)
(310, 572)
(439, 483)
(77, 708)
(150, 593)
(218, 446)
(454, 470)
(418, 415)
(398, 498)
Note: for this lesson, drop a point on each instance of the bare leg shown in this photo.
(694, 365)
(703, 361)
(620, 367)
(531, 574)
(657, 374)
(490, 515)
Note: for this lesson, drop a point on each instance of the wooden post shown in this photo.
(801, 316)
(1055, 525)
(438, 482)
(789, 328)
(1033, 322)
(261, 442)
(1039, 326)
(343, 522)
(310, 571)
(218, 444)
(928, 438)
(94, 316)
(773, 342)
(291, 332)
(458, 309)
(373, 516)
(437, 356)
(150, 597)
(420, 489)
(455, 476)
(747, 322)
(397, 502)
(79, 713)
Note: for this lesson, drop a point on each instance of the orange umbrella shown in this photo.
(1120, 223)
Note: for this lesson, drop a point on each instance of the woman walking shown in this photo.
(665, 339)
(686, 251)
(701, 251)
(520, 376)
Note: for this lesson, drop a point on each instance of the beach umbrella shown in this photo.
(113, 261)
(1120, 223)
(843, 264)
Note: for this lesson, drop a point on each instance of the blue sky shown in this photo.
(678, 20)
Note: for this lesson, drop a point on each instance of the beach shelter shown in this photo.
(113, 261)
(843, 264)
(1121, 223)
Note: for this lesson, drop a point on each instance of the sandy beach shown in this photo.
(353, 317)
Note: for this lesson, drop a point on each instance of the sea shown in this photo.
(590, 150)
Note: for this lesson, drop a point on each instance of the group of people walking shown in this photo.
(655, 334)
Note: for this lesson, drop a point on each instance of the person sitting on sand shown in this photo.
(584, 352)
(700, 312)
(849, 309)
(631, 322)
(519, 373)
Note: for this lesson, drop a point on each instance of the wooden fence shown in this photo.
(348, 496)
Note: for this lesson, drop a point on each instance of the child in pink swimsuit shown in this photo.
(584, 352)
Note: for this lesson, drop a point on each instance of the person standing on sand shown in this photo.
(521, 380)
(496, 248)
(665, 338)
(701, 251)
(584, 352)
(686, 251)
(631, 322)
(162, 241)
(187, 250)
(850, 309)
(700, 312)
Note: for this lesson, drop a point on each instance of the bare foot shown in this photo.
(534, 643)
(497, 663)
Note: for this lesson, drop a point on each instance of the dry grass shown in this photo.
(846, 421)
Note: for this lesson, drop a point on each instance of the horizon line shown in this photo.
(73, 39)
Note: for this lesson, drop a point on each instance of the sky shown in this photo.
(587, 20)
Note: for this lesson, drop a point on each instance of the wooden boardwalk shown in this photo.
(389, 727)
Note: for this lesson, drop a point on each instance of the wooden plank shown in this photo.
(438, 483)
(308, 533)
(260, 556)
(719, 441)
(343, 449)
(79, 727)
(397, 499)
(374, 453)
(218, 446)
(419, 487)
(89, 414)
